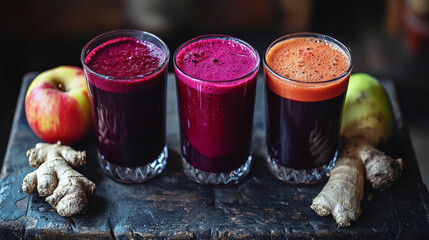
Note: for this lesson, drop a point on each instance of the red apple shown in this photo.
(57, 105)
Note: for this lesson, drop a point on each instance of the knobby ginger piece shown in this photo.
(55, 178)
(381, 170)
(342, 195)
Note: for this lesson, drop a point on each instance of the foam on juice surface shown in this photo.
(217, 61)
(311, 64)
(128, 65)
(125, 57)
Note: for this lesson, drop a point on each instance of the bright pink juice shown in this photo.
(128, 106)
(216, 84)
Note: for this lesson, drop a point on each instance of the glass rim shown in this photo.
(122, 33)
(217, 36)
(344, 47)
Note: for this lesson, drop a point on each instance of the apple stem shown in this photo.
(60, 86)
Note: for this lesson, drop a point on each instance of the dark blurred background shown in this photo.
(388, 38)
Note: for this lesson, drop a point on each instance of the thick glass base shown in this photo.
(136, 174)
(300, 176)
(217, 179)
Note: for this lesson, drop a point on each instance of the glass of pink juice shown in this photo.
(216, 85)
(306, 77)
(126, 72)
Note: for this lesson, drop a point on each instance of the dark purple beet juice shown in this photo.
(306, 77)
(302, 135)
(216, 84)
(126, 74)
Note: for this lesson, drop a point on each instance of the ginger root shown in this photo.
(380, 170)
(55, 178)
(342, 195)
(367, 123)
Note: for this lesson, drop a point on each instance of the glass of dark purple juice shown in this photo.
(306, 77)
(216, 84)
(126, 72)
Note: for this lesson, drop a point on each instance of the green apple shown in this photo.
(367, 110)
(57, 106)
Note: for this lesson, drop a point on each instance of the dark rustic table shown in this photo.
(171, 207)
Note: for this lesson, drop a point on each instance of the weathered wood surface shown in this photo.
(171, 207)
